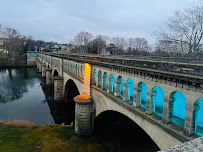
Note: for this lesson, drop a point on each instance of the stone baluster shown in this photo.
(101, 83)
(191, 112)
(115, 89)
(150, 103)
(98, 80)
(93, 79)
(136, 99)
(118, 89)
(167, 109)
(108, 85)
(125, 95)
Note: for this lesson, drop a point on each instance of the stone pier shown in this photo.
(83, 115)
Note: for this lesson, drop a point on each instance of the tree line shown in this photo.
(85, 42)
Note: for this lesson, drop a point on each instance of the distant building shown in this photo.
(2, 46)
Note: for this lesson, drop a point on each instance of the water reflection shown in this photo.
(13, 84)
(21, 97)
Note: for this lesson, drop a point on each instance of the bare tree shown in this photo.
(137, 44)
(13, 42)
(185, 28)
(99, 45)
(82, 39)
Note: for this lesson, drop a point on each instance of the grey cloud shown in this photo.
(60, 20)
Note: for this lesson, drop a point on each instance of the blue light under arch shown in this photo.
(199, 117)
(157, 95)
(179, 111)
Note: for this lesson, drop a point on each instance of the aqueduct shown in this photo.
(163, 97)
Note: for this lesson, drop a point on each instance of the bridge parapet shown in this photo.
(183, 65)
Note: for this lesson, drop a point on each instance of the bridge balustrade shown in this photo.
(164, 107)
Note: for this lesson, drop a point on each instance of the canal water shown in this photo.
(21, 97)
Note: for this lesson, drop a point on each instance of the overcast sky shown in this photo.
(61, 20)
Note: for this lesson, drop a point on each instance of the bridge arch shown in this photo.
(117, 127)
(70, 91)
(102, 103)
(55, 73)
(157, 95)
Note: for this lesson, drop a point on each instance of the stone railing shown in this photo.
(185, 66)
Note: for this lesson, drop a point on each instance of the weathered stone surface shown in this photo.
(83, 115)
(152, 73)
(195, 145)
(58, 88)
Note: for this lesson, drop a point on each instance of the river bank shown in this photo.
(17, 62)
(24, 136)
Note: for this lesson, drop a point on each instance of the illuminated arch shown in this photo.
(157, 95)
(70, 91)
(178, 101)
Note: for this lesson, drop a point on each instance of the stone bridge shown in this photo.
(144, 90)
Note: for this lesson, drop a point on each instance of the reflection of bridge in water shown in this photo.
(163, 97)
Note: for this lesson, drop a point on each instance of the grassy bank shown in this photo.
(50, 138)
